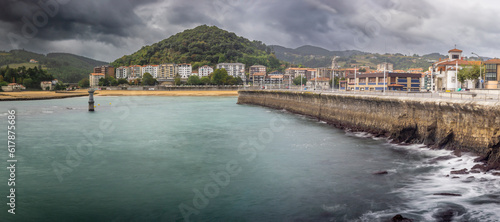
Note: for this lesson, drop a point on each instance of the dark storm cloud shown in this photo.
(108, 29)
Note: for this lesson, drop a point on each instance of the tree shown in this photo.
(177, 81)
(122, 81)
(205, 80)
(28, 83)
(362, 70)
(468, 73)
(336, 82)
(60, 86)
(194, 80)
(114, 82)
(296, 81)
(84, 83)
(147, 79)
(219, 76)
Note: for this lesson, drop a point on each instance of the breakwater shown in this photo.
(460, 125)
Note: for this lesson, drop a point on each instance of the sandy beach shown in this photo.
(36, 95)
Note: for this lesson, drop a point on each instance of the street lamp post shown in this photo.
(480, 71)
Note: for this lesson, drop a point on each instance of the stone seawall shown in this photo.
(456, 125)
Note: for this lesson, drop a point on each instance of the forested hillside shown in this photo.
(63, 66)
(203, 45)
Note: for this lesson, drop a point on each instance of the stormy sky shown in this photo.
(108, 29)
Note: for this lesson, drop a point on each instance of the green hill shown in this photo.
(203, 45)
(63, 66)
(312, 56)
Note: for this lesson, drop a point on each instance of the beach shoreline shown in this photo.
(44, 95)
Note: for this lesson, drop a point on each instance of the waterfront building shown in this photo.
(234, 69)
(107, 70)
(258, 78)
(325, 72)
(205, 71)
(135, 72)
(256, 69)
(446, 70)
(184, 70)
(311, 74)
(151, 69)
(295, 72)
(319, 83)
(389, 67)
(122, 72)
(375, 81)
(94, 79)
(46, 85)
(492, 74)
(167, 71)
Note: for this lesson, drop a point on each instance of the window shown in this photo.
(372, 79)
(491, 72)
(454, 56)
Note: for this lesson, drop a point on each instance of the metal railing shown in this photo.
(471, 96)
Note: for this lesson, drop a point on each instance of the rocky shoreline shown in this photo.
(461, 126)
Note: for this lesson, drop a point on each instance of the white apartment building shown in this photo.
(234, 69)
(205, 71)
(122, 72)
(94, 79)
(185, 70)
(151, 69)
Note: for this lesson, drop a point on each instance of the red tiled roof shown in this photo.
(493, 61)
(455, 50)
(321, 79)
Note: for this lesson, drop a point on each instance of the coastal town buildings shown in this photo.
(205, 71)
(13, 87)
(492, 74)
(151, 69)
(256, 69)
(94, 79)
(167, 71)
(184, 70)
(388, 67)
(135, 72)
(375, 81)
(446, 71)
(319, 83)
(234, 69)
(122, 72)
(107, 70)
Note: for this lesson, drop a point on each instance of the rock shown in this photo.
(400, 218)
(455, 177)
(439, 158)
(474, 171)
(380, 173)
(480, 167)
(462, 171)
(495, 174)
(448, 194)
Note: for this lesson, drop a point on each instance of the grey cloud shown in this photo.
(108, 29)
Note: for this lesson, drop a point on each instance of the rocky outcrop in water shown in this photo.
(471, 126)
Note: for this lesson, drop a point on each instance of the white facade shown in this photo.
(205, 71)
(234, 69)
(122, 72)
(185, 70)
(94, 79)
(151, 69)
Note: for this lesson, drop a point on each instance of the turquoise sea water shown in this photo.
(209, 159)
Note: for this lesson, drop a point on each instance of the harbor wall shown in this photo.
(460, 125)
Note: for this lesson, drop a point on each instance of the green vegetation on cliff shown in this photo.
(203, 45)
(63, 66)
